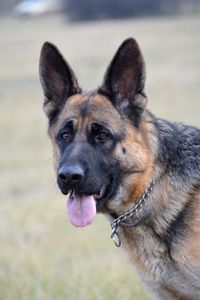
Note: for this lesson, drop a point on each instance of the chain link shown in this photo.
(130, 213)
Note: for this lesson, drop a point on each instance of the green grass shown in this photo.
(42, 256)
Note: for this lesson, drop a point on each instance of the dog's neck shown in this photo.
(131, 218)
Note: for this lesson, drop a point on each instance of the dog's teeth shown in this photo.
(102, 190)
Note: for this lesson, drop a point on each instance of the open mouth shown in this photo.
(98, 196)
(82, 207)
(101, 193)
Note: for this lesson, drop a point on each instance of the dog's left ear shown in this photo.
(124, 80)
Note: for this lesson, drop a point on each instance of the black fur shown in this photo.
(179, 227)
(95, 158)
(124, 81)
(179, 149)
(170, 155)
(57, 79)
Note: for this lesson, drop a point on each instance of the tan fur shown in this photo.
(192, 246)
(152, 257)
(168, 266)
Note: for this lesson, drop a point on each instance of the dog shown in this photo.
(113, 156)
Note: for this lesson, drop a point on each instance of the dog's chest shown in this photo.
(163, 277)
(146, 252)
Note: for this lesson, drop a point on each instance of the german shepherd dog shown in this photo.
(112, 155)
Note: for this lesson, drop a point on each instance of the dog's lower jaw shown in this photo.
(115, 203)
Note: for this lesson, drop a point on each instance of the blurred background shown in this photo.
(42, 256)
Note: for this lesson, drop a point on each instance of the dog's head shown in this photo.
(100, 143)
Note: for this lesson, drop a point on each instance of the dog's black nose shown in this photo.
(71, 174)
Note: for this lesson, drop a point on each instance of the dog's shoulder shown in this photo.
(179, 147)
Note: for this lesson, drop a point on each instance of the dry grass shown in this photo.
(42, 256)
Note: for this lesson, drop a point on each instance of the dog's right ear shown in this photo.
(57, 79)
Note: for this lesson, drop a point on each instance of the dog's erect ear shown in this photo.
(57, 79)
(125, 77)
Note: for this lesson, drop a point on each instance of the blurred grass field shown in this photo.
(42, 256)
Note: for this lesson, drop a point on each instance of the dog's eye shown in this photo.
(66, 136)
(102, 136)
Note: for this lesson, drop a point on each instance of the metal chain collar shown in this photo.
(130, 213)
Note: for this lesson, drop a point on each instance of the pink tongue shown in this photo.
(81, 209)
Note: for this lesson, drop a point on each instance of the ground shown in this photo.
(42, 256)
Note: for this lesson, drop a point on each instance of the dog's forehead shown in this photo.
(90, 108)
